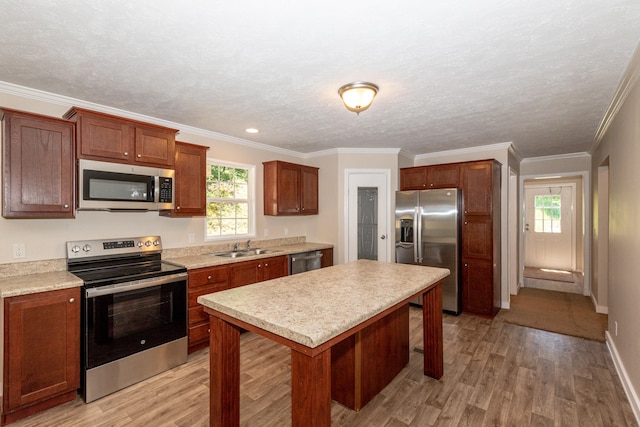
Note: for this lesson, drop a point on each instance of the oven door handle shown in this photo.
(133, 285)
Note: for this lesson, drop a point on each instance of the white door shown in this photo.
(550, 227)
(367, 219)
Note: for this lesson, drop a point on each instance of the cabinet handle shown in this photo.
(126, 153)
(71, 300)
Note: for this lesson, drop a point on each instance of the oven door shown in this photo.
(127, 318)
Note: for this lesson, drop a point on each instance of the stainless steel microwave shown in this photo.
(109, 186)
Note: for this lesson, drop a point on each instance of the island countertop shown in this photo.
(313, 307)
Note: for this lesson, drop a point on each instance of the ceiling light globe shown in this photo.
(358, 96)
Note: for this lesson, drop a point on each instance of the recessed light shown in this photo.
(251, 130)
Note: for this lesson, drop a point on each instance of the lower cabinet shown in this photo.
(203, 281)
(41, 352)
(478, 283)
(327, 258)
(249, 272)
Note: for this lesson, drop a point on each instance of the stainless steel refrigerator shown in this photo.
(428, 233)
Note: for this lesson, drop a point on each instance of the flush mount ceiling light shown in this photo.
(358, 96)
(251, 130)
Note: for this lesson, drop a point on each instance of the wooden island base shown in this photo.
(366, 362)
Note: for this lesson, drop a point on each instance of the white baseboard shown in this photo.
(624, 378)
(602, 309)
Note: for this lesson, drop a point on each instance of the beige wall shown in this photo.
(621, 146)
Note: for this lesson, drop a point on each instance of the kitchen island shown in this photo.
(311, 313)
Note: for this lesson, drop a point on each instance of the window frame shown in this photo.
(251, 200)
(548, 218)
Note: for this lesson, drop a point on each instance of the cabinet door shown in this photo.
(42, 346)
(190, 180)
(477, 237)
(288, 188)
(38, 167)
(477, 185)
(477, 286)
(413, 178)
(245, 273)
(275, 267)
(203, 281)
(104, 138)
(309, 187)
(443, 176)
(327, 258)
(155, 147)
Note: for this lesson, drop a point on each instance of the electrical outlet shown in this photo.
(286, 231)
(266, 232)
(19, 251)
(192, 238)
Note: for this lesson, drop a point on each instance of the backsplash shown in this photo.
(45, 266)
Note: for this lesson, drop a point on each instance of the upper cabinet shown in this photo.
(38, 166)
(290, 189)
(115, 139)
(428, 177)
(190, 181)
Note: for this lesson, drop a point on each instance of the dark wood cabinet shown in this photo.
(38, 166)
(203, 281)
(481, 287)
(254, 271)
(115, 139)
(430, 177)
(41, 352)
(190, 181)
(290, 189)
(479, 182)
(327, 258)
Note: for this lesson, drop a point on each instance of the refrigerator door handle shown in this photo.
(418, 238)
(415, 234)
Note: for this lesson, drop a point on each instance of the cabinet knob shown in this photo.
(208, 331)
(139, 155)
(431, 185)
(208, 277)
(259, 265)
(266, 265)
(66, 206)
(465, 223)
(424, 185)
(178, 207)
(126, 153)
(72, 299)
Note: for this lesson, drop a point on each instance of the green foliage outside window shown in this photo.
(227, 201)
(547, 214)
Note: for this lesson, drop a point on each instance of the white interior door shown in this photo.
(367, 215)
(550, 227)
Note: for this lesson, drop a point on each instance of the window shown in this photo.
(230, 200)
(547, 214)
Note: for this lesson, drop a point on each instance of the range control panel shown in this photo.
(108, 247)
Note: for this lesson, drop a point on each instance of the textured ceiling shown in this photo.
(452, 73)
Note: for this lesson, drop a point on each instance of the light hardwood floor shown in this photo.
(496, 374)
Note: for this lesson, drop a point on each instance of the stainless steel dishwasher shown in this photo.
(304, 261)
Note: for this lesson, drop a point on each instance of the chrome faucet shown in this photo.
(248, 245)
(235, 247)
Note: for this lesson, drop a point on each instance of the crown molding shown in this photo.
(626, 85)
(557, 157)
(68, 102)
(462, 151)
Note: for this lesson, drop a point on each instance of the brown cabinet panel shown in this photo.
(203, 281)
(155, 146)
(477, 186)
(38, 163)
(477, 237)
(254, 271)
(117, 139)
(413, 178)
(327, 258)
(42, 350)
(443, 176)
(275, 267)
(477, 287)
(190, 181)
(290, 189)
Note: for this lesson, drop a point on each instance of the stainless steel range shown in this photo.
(134, 312)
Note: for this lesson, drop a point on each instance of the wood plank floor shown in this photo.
(496, 374)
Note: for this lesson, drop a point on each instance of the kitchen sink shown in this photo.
(236, 254)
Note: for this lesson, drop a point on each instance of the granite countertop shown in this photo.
(39, 282)
(313, 307)
(200, 261)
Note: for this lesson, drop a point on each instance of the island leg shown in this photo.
(311, 389)
(432, 331)
(224, 376)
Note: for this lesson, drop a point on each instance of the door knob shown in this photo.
(384, 236)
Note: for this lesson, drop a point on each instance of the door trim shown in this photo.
(386, 174)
